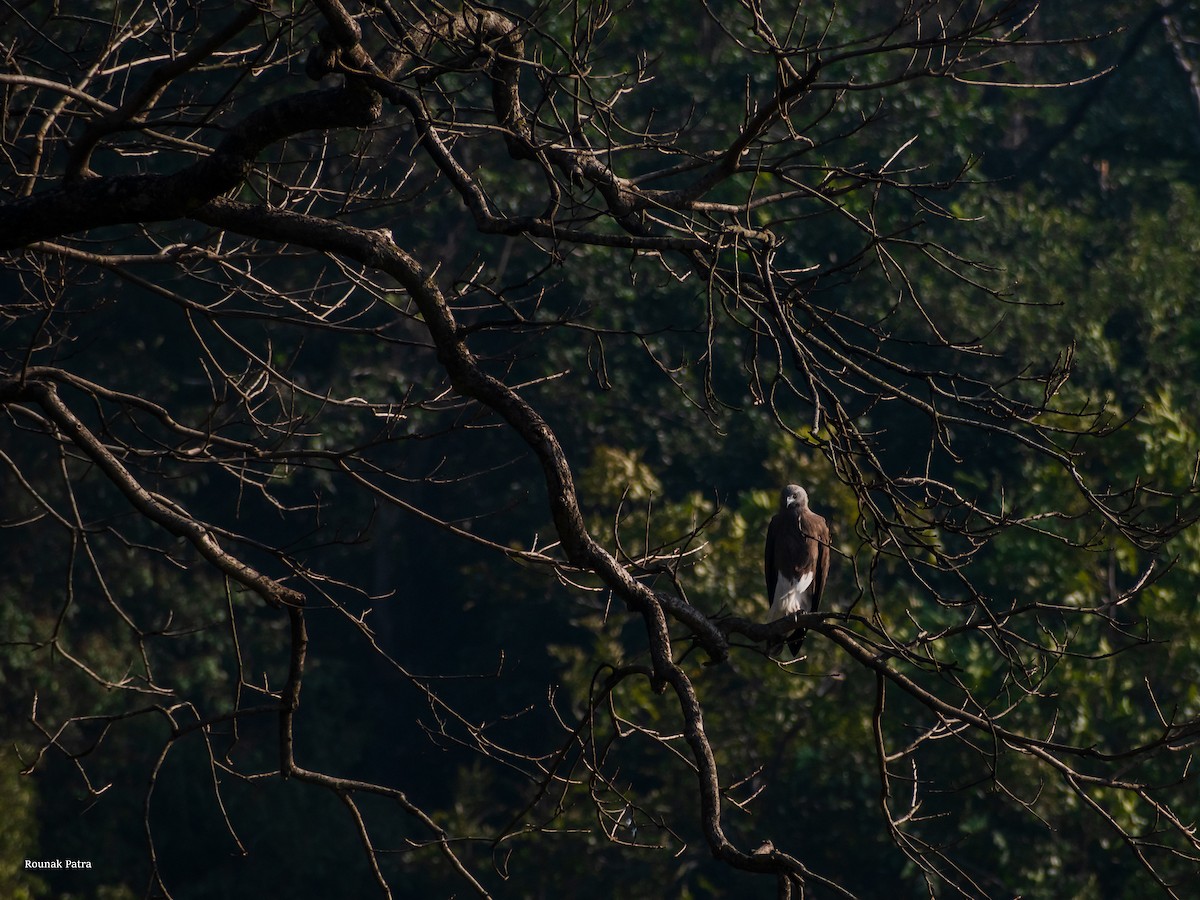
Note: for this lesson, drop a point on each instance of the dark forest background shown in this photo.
(1055, 234)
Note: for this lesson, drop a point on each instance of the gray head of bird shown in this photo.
(793, 496)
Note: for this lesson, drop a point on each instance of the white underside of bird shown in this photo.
(791, 596)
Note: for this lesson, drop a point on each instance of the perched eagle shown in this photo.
(797, 559)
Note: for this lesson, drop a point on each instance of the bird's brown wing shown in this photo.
(769, 569)
(816, 534)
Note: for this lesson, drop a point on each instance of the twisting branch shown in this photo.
(155, 508)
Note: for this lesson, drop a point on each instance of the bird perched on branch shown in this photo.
(796, 560)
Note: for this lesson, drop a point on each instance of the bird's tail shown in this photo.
(796, 640)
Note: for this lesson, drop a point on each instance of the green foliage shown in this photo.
(1121, 286)
(18, 829)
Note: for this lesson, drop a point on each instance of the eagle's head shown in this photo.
(793, 498)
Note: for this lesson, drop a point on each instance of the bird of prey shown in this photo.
(796, 561)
